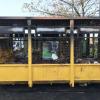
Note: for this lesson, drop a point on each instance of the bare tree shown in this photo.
(63, 7)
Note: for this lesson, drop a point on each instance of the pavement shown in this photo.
(49, 92)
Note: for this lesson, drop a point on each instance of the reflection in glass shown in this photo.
(50, 50)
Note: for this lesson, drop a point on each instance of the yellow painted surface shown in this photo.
(29, 59)
(16, 72)
(72, 64)
(49, 72)
(52, 72)
(45, 72)
(87, 72)
(72, 53)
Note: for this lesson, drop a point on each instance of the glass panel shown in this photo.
(50, 51)
(87, 48)
(20, 47)
(50, 46)
(13, 46)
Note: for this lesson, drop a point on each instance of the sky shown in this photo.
(13, 8)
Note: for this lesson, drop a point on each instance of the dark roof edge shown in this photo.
(47, 18)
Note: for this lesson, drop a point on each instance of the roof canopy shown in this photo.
(49, 21)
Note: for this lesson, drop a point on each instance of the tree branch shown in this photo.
(72, 5)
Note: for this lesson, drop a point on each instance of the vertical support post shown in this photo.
(29, 54)
(99, 45)
(72, 53)
(87, 45)
(93, 39)
(78, 43)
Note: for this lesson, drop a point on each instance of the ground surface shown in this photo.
(48, 92)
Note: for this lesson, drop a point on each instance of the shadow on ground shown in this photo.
(50, 92)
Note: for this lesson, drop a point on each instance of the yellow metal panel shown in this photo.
(42, 72)
(13, 65)
(87, 72)
(13, 72)
(51, 72)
